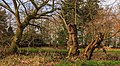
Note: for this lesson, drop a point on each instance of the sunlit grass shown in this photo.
(88, 63)
(43, 49)
(53, 56)
(29, 49)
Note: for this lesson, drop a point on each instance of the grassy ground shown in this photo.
(89, 63)
(56, 57)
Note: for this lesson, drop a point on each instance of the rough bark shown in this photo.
(18, 35)
(15, 40)
(21, 24)
(72, 43)
(93, 45)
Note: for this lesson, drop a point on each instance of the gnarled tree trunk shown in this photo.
(72, 43)
(15, 40)
(93, 45)
(18, 35)
(22, 23)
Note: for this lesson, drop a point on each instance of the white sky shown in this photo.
(105, 2)
(109, 2)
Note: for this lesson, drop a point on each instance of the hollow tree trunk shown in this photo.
(72, 43)
(16, 39)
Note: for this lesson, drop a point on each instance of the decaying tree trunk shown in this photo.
(72, 43)
(93, 45)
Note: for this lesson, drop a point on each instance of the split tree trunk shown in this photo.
(93, 45)
(72, 43)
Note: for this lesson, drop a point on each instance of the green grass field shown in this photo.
(56, 57)
(89, 63)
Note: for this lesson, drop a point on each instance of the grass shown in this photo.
(29, 49)
(45, 49)
(53, 50)
(88, 63)
(47, 56)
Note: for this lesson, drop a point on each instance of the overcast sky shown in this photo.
(105, 2)
(110, 2)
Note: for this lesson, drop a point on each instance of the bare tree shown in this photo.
(100, 28)
(24, 21)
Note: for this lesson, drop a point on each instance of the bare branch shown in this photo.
(113, 34)
(18, 3)
(53, 4)
(6, 3)
(24, 7)
(64, 21)
(45, 13)
(17, 13)
(6, 6)
(34, 4)
(43, 4)
(55, 19)
(39, 17)
(35, 25)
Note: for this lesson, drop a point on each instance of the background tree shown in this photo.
(23, 22)
(104, 25)
(86, 11)
(6, 31)
(3, 26)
